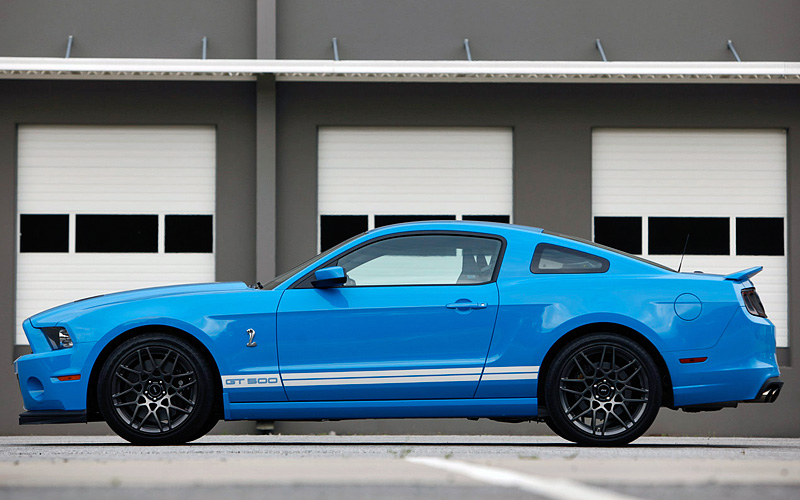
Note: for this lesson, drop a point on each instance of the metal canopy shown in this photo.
(400, 71)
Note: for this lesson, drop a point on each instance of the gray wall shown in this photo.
(127, 28)
(682, 30)
(228, 106)
(552, 184)
(631, 30)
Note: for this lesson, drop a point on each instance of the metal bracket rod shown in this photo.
(205, 47)
(599, 46)
(466, 47)
(69, 47)
(335, 50)
(733, 49)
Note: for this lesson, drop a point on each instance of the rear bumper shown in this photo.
(52, 417)
(769, 391)
(741, 367)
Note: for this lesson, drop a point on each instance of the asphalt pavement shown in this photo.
(398, 467)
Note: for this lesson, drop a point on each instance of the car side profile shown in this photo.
(435, 319)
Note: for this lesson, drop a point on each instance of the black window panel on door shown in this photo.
(335, 229)
(385, 220)
(707, 235)
(759, 236)
(116, 233)
(488, 218)
(44, 233)
(622, 233)
(188, 234)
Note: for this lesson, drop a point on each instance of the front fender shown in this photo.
(130, 327)
(219, 321)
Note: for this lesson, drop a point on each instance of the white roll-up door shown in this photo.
(377, 175)
(110, 208)
(730, 185)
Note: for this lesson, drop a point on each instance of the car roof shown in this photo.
(509, 230)
(454, 225)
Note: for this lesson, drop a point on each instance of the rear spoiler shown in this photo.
(744, 275)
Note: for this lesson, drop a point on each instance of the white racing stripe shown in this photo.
(510, 376)
(382, 373)
(511, 369)
(494, 373)
(372, 377)
(381, 380)
(554, 488)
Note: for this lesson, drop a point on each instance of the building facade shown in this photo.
(154, 142)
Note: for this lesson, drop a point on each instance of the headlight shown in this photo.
(58, 337)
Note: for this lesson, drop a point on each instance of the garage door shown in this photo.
(103, 209)
(725, 189)
(370, 177)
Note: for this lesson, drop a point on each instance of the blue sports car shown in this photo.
(433, 319)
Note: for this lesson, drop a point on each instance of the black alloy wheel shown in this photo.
(156, 389)
(602, 390)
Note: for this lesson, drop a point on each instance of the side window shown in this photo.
(423, 260)
(554, 259)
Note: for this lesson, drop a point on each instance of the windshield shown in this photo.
(288, 274)
(598, 245)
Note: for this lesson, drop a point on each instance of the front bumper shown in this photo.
(39, 384)
(38, 374)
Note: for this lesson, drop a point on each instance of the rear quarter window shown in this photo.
(555, 259)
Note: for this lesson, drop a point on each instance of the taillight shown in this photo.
(753, 303)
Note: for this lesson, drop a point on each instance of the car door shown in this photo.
(413, 321)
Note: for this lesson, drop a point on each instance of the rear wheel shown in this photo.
(156, 389)
(602, 390)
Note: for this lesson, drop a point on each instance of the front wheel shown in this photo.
(156, 389)
(602, 390)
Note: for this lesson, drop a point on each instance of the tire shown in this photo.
(556, 430)
(157, 389)
(210, 424)
(602, 390)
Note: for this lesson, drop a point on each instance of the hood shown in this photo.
(66, 311)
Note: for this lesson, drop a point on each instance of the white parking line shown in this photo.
(555, 488)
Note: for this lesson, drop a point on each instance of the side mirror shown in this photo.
(329, 277)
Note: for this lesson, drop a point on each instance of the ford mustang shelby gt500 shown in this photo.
(434, 319)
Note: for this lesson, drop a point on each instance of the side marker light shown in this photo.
(693, 360)
(67, 378)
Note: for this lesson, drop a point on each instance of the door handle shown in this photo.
(467, 305)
